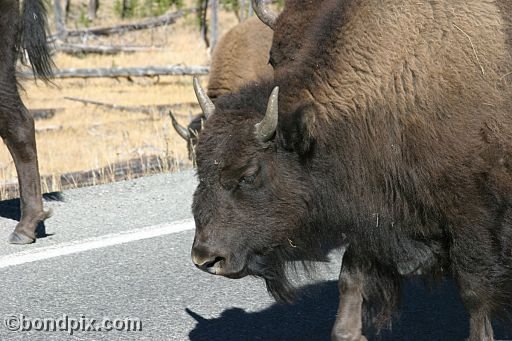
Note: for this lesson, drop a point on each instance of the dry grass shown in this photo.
(82, 137)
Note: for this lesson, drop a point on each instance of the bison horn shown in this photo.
(264, 13)
(267, 127)
(205, 102)
(181, 130)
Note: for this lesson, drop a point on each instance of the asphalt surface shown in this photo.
(143, 271)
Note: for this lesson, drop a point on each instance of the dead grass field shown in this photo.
(82, 137)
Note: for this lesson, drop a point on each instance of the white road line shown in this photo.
(68, 248)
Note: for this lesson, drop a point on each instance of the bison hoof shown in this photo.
(20, 239)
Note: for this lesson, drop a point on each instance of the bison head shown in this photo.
(252, 204)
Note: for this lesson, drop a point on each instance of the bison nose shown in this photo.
(207, 260)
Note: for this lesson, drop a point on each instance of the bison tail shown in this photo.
(33, 38)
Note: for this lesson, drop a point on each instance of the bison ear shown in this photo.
(296, 131)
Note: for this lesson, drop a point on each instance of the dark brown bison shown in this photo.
(389, 133)
(240, 57)
(25, 32)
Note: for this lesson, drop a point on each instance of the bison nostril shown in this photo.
(209, 265)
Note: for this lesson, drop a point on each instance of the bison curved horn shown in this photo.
(267, 127)
(181, 130)
(264, 13)
(205, 102)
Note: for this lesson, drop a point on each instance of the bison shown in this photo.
(22, 32)
(389, 133)
(296, 18)
(240, 57)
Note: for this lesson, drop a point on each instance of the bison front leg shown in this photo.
(349, 322)
(480, 271)
(19, 136)
(17, 127)
(477, 293)
(480, 328)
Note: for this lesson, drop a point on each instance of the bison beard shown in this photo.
(272, 269)
(394, 131)
(283, 261)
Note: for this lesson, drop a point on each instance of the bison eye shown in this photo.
(247, 180)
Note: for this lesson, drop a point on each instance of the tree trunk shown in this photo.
(59, 21)
(250, 11)
(203, 10)
(215, 22)
(67, 5)
(93, 9)
(243, 12)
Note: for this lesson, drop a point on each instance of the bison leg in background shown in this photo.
(479, 320)
(475, 293)
(480, 274)
(17, 130)
(480, 328)
(349, 323)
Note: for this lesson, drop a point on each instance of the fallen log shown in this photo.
(162, 109)
(42, 114)
(101, 49)
(166, 19)
(123, 170)
(150, 71)
(49, 129)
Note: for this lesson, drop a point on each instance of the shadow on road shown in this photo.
(10, 209)
(426, 315)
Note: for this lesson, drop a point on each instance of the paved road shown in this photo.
(122, 251)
